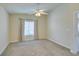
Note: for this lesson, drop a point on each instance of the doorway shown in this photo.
(75, 48)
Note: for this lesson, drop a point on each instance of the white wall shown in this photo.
(61, 26)
(14, 26)
(3, 29)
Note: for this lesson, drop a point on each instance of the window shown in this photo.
(29, 28)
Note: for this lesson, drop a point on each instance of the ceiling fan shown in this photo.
(38, 11)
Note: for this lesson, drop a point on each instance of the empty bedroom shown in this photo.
(39, 29)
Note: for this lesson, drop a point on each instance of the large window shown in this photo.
(29, 28)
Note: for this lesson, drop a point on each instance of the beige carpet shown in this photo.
(36, 48)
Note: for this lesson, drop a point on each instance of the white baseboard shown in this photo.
(4, 49)
(60, 44)
(13, 41)
(72, 51)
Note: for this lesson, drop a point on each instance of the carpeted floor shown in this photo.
(36, 48)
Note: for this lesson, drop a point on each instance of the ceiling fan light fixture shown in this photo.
(38, 14)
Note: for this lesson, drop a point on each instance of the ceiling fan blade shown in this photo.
(43, 13)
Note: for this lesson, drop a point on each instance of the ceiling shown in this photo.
(27, 7)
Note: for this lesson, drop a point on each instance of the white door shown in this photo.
(75, 46)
